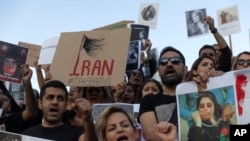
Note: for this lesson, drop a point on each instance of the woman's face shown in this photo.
(73, 93)
(6, 105)
(195, 17)
(206, 108)
(242, 62)
(129, 95)
(119, 128)
(150, 88)
(95, 95)
(205, 66)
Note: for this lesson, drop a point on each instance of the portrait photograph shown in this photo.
(196, 26)
(11, 58)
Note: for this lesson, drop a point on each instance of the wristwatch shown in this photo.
(214, 30)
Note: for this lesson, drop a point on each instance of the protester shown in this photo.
(115, 123)
(53, 100)
(17, 121)
(162, 106)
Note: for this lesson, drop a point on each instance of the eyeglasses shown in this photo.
(174, 60)
(242, 62)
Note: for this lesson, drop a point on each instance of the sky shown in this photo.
(34, 21)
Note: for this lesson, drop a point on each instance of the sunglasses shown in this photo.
(174, 61)
(242, 62)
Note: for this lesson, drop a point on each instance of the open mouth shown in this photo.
(93, 99)
(122, 138)
(54, 111)
(170, 72)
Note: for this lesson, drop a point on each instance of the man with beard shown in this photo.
(162, 106)
(53, 102)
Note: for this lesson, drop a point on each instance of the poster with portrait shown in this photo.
(196, 26)
(148, 14)
(139, 32)
(134, 55)
(228, 20)
(209, 113)
(11, 58)
(9, 136)
(91, 58)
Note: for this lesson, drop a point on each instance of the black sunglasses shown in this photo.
(174, 61)
(242, 62)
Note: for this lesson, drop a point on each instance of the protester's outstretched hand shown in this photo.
(210, 22)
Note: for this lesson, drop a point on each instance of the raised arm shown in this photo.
(39, 74)
(31, 105)
(83, 108)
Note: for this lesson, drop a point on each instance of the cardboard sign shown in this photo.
(91, 58)
(34, 52)
(11, 58)
(121, 24)
(228, 20)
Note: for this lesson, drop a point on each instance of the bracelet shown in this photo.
(214, 30)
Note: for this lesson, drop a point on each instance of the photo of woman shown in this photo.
(195, 23)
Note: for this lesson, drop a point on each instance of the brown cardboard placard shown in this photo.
(91, 58)
(34, 52)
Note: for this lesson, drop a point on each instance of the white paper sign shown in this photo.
(228, 20)
(48, 50)
(148, 14)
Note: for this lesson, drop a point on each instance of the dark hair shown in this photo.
(14, 107)
(210, 95)
(206, 47)
(199, 13)
(139, 94)
(195, 66)
(128, 73)
(106, 91)
(170, 48)
(237, 58)
(55, 84)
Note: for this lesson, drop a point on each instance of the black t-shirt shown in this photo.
(13, 123)
(164, 107)
(64, 132)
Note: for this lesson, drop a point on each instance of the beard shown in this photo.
(172, 80)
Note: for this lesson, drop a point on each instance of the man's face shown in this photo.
(171, 71)
(217, 51)
(53, 105)
(208, 52)
(9, 66)
(136, 77)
